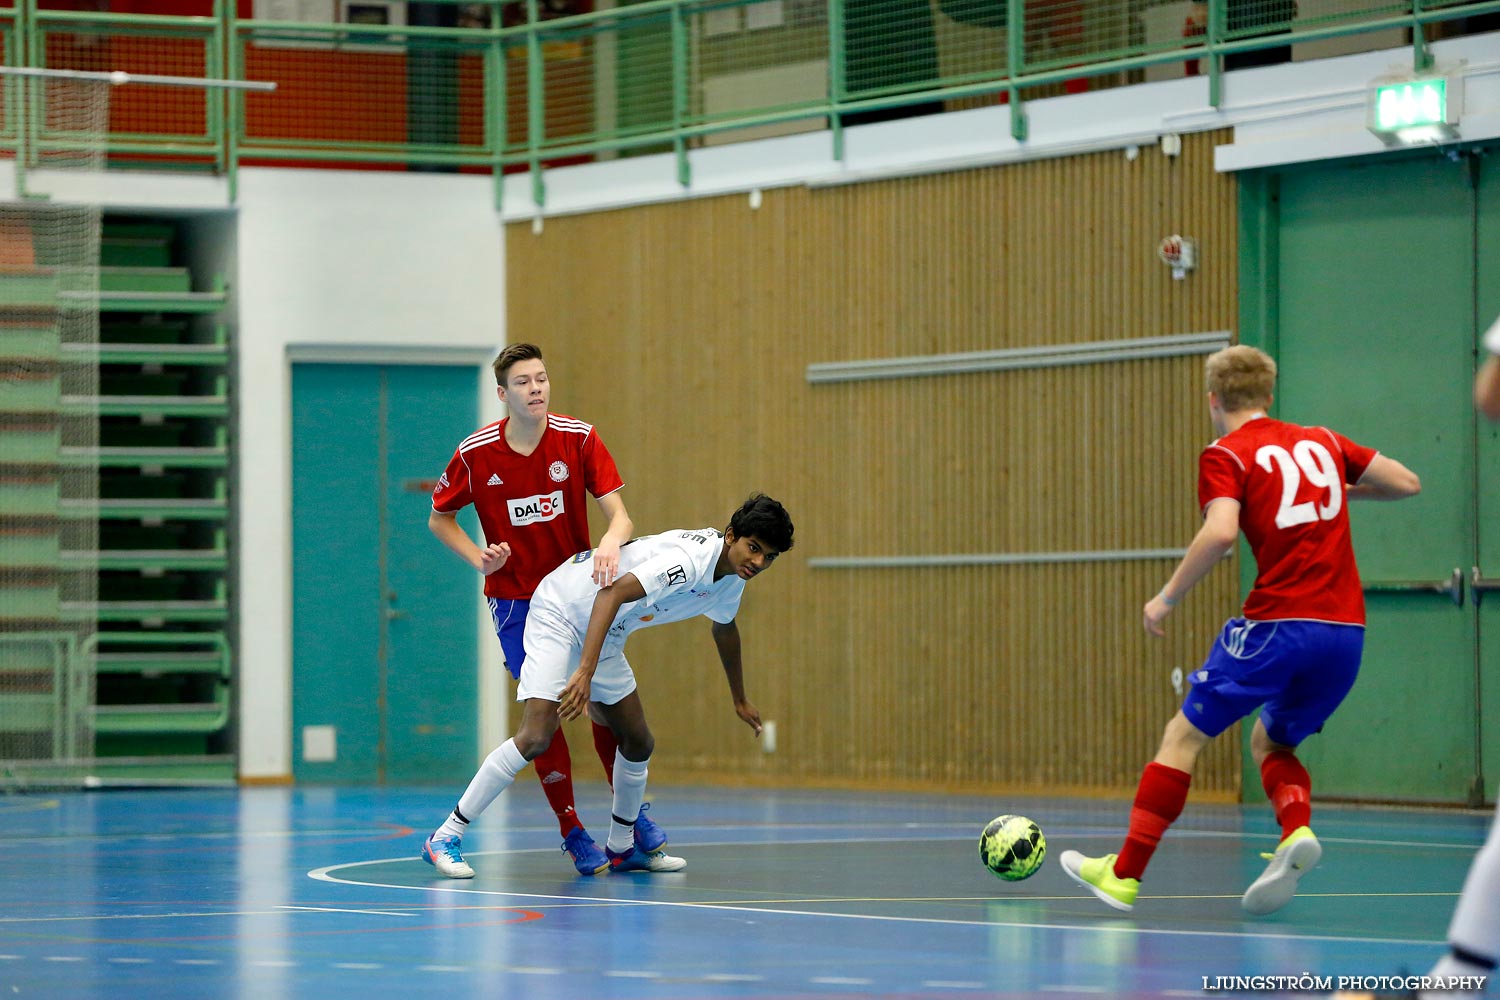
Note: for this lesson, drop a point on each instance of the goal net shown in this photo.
(49, 430)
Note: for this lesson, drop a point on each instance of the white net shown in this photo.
(49, 432)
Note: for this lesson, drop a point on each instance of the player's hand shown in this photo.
(575, 696)
(606, 564)
(750, 714)
(1154, 613)
(492, 557)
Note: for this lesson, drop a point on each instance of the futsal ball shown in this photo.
(1012, 847)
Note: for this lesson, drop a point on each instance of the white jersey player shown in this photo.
(676, 571)
(575, 661)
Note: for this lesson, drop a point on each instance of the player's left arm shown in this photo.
(1487, 379)
(607, 552)
(1221, 526)
(1385, 479)
(727, 640)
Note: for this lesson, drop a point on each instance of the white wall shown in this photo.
(340, 258)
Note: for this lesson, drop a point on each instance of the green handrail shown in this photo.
(563, 122)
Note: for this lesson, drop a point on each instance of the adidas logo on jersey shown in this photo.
(495, 480)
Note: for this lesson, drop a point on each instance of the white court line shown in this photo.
(1075, 989)
(334, 909)
(732, 977)
(326, 874)
(279, 911)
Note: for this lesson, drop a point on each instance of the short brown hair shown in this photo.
(1241, 378)
(513, 354)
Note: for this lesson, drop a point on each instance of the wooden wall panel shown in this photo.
(683, 331)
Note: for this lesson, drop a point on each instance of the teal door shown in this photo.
(1487, 569)
(1374, 281)
(384, 685)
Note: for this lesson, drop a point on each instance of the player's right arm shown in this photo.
(451, 495)
(1221, 526)
(1385, 479)
(607, 604)
(486, 560)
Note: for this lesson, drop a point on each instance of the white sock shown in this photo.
(630, 792)
(1472, 947)
(1451, 965)
(493, 777)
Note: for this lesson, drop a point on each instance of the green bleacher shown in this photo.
(163, 681)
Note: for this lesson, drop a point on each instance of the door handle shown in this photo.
(1481, 583)
(1452, 587)
(391, 614)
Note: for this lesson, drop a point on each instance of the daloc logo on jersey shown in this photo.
(530, 510)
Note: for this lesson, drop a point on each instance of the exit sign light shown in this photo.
(1414, 111)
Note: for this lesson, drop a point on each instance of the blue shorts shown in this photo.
(1299, 670)
(510, 628)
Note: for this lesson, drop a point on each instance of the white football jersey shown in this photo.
(677, 570)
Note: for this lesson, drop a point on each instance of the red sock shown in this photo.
(1158, 802)
(554, 768)
(606, 745)
(1289, 787)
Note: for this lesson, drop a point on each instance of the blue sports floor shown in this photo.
(317, 893)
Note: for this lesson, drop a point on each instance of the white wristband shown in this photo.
(1492, 338)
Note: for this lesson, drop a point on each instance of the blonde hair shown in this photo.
(1241, 378)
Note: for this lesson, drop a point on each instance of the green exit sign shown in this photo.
(1415, 110)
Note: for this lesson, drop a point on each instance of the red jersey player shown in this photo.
(529, 477)
(1295, 652)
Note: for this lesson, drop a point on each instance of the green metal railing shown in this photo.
(654, 76)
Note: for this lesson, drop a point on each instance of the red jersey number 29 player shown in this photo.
(1294, 652)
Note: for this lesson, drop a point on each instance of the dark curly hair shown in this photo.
(765, 519)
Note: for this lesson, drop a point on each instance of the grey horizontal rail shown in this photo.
(1452, 587)
(991, 559)
(165, 350)
(143, 296)
(210, 504)
(119, 78)
(1018, 358)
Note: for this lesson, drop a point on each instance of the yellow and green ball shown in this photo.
(1012, 847)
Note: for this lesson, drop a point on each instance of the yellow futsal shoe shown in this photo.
(1294, 857)
(1097, 875)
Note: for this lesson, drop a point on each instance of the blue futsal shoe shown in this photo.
(648, 836)
(444, 854)
(637, 860)
(587, 857)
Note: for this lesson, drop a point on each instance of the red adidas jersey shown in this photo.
(536, 502)
(1290, 484)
